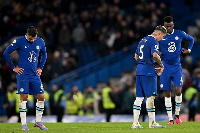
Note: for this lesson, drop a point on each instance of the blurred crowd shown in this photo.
(115, 98)
(67, 26)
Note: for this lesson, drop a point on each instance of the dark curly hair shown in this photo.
(32, 31)
(168, 19)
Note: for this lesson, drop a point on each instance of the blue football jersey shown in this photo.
(28, 54)
(146, 47)
(171, 46)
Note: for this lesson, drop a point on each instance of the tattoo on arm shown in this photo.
(158, 61)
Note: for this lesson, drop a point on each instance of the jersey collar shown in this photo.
(26, 37)
(152, 36)
(171, 33)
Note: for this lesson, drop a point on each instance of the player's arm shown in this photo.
(136, 54)
(155, 54)
(136, 57)
(42, 60)
(191, 42)
(159, 62)
(12, 47)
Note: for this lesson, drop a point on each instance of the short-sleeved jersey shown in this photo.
(146, 47)
(171, 46)
(28, 54)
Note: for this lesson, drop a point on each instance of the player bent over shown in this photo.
(28, 72)
(146, 76)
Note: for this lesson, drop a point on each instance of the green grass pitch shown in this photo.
(104, 127)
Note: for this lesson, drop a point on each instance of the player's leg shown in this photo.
(150, 90)
(39, 112)
(22, 111)
(178, 83)
(165, 85)
(178, 101)
(137, 104)
(36, 87)
(168, 105)
(23, 90)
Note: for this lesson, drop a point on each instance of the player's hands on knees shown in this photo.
(39, 71)
(18, 70)
(159, 70)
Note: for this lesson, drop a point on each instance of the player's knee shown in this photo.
(138, 101)
(178, 92)
(167, 94)
(40, 97)
(150, 102)
(23, 97)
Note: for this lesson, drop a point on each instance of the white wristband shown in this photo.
(189, 50)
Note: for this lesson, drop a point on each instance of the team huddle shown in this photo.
(147, 54)
(169, 69)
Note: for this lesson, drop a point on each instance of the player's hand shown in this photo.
(159, 70)
(185, 51)
(18, 70)
(39, 71)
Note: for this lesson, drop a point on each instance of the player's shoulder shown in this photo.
(148, 38)
(179, 32)
(18, 40)
(40, 40)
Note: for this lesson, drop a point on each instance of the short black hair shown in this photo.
(32, 31)
(168, 19)
(161, 28)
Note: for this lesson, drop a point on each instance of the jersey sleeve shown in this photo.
(154, 47)
(12, 47)
(136, 52)
(43, 55)
(188, 38)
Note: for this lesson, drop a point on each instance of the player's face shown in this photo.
(160, 36)
(169, 27)
(30, 38)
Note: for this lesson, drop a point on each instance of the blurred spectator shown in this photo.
(64, 36)
(54, 88)
(10, 100)
(78, 34)
(108, 103)
(128, 99)
(88, 103)
(46, 102)
(56, 66)
(60, 103)
(116, 97)
(74, 101)
(191, 96)
(102, 47)
(196, 79)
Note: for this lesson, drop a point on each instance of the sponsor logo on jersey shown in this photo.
(37, 47)
(32, 57)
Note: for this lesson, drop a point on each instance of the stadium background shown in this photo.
(90, 42)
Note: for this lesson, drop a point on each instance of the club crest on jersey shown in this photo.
(161, 85)
(37, 47)
(176, 38)
(21, 89)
